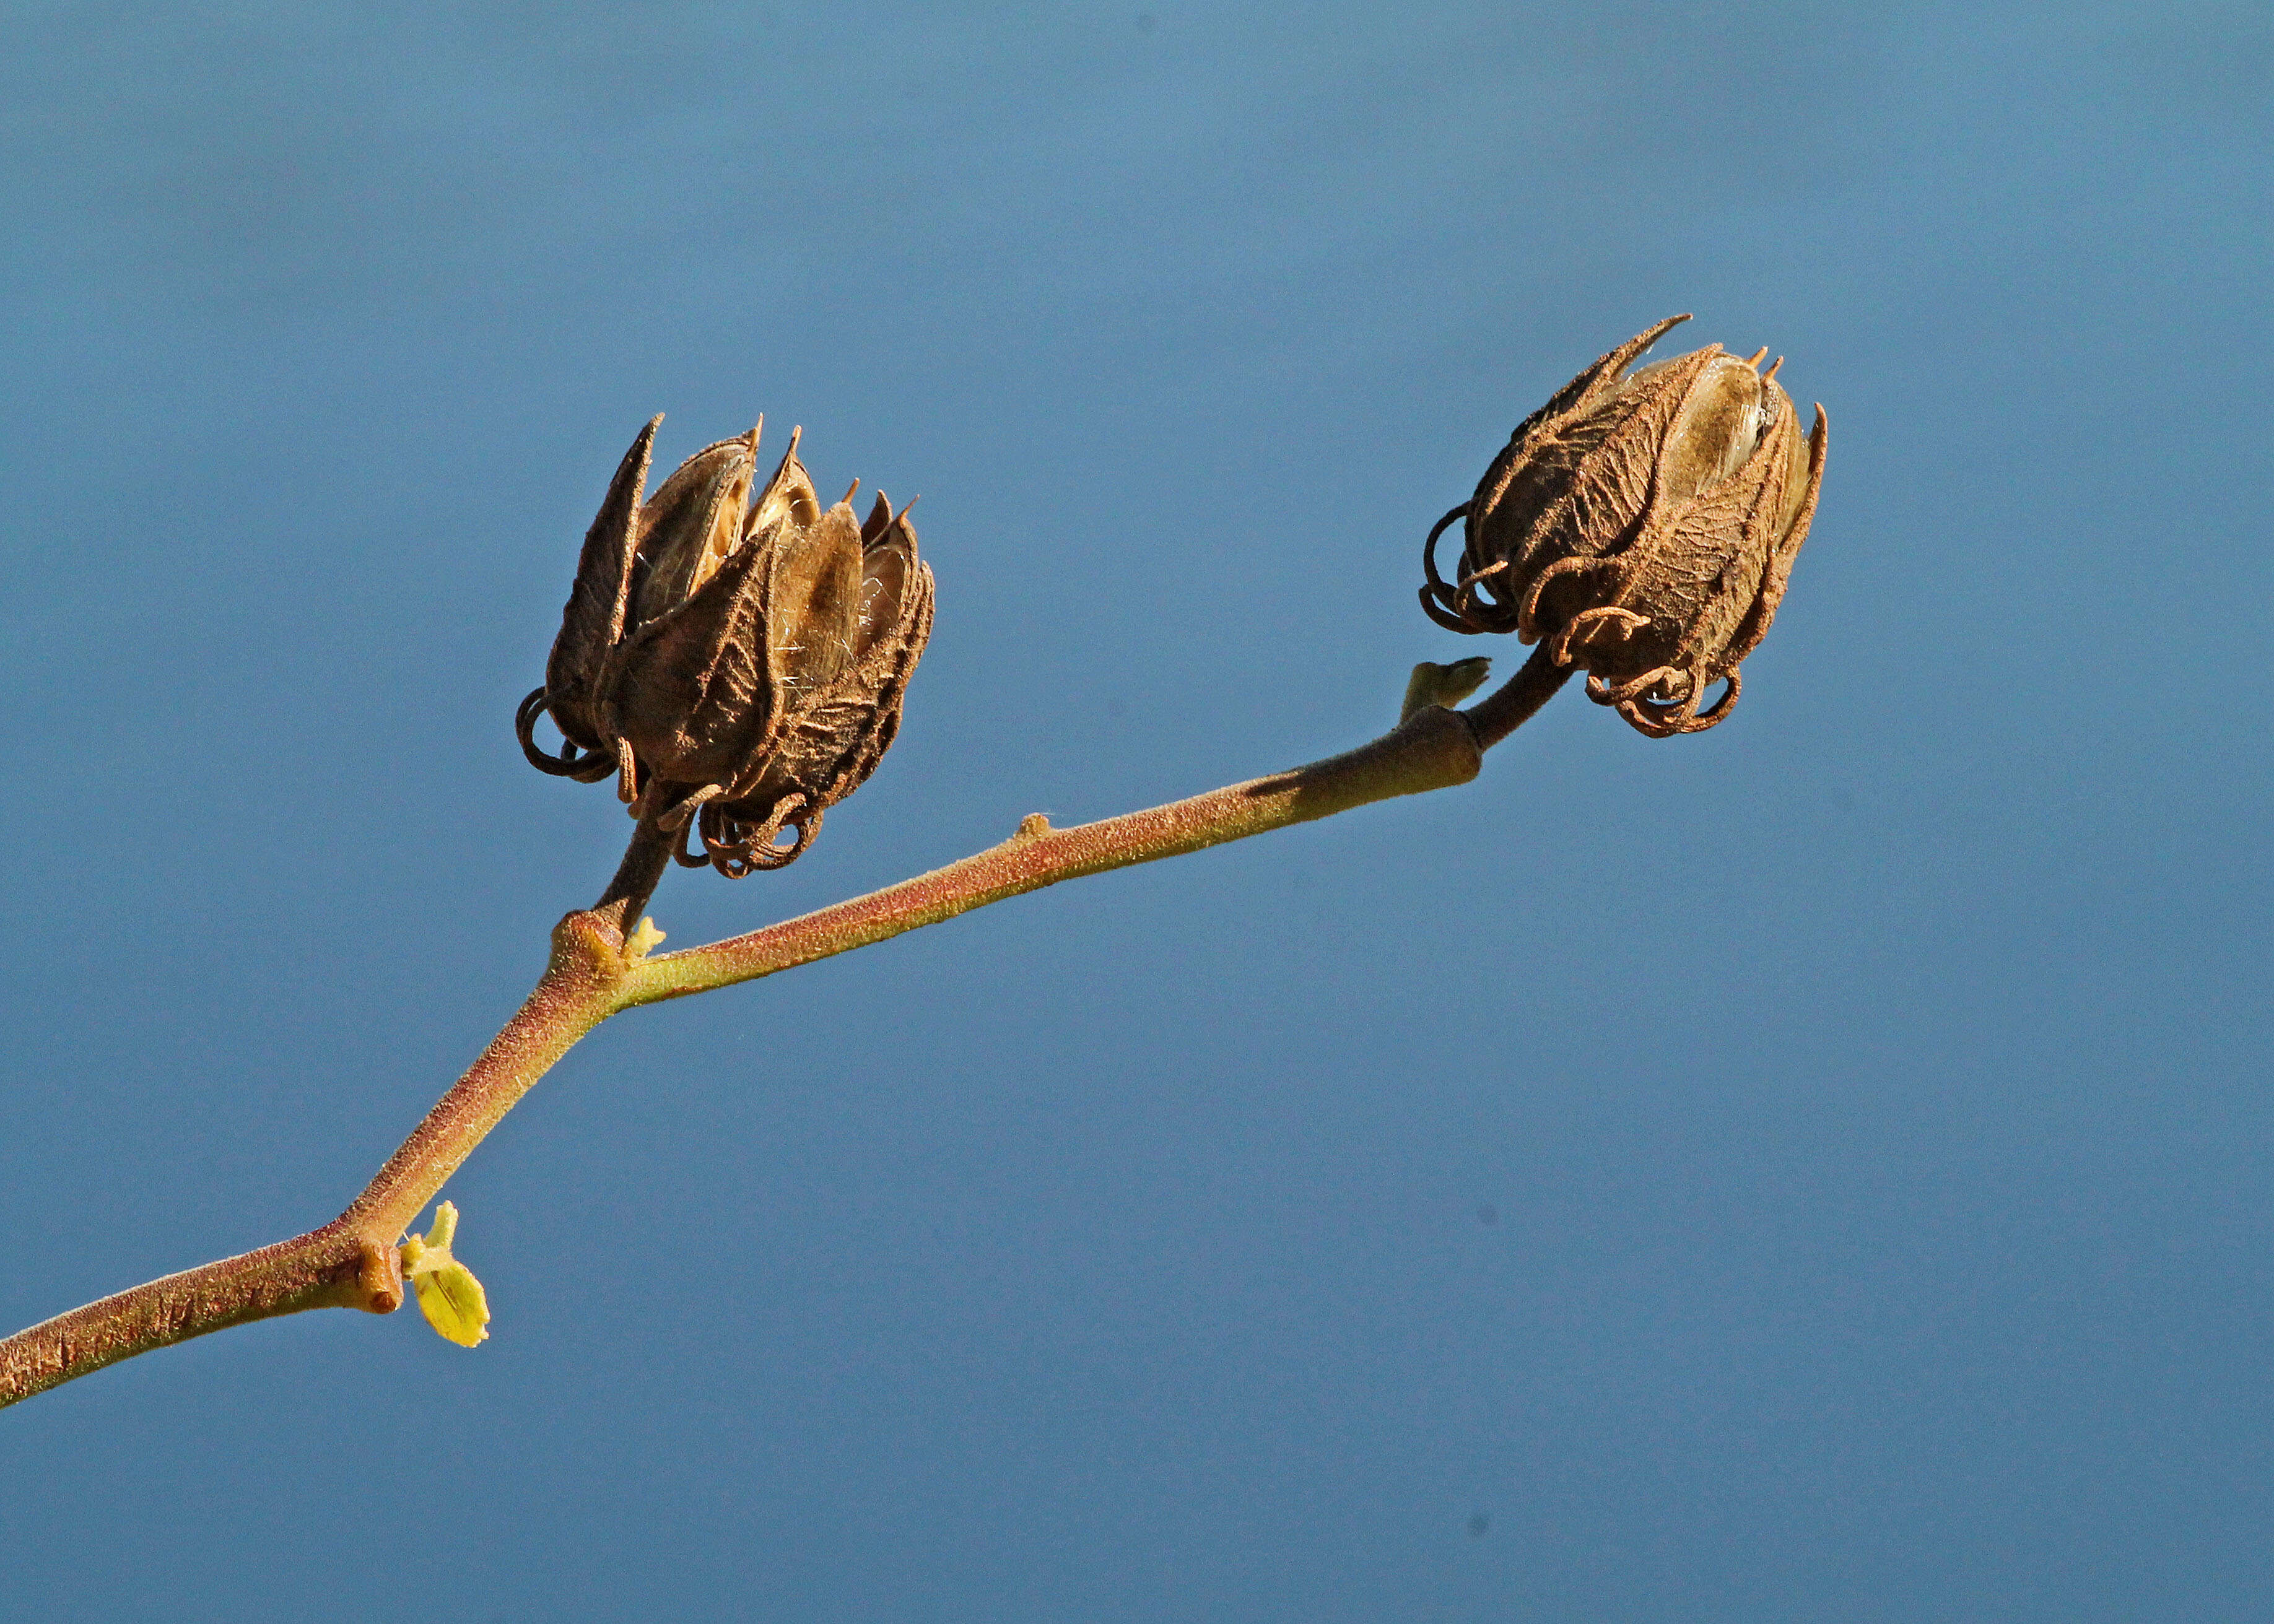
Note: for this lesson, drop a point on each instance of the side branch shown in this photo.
(1435, 749)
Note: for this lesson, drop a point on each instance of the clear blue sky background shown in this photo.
(1818, 1169)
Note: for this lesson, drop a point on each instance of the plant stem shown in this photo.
(1434, 750)
(1517, 699)
(351, 1262)
(579, 989)
(645, 861)
(329, 1267)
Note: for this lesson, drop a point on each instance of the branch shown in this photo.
(353, 1262)
(1434, 750)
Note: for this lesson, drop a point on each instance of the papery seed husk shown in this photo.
(1646, 522)
(1698, 566)
(1804, 480)
(691, 689)
(831, 740)
(740, 663)
(592, 620)
(691, 525)
(813, 602)
(788, 496)
(1581, 481)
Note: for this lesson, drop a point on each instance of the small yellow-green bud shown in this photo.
(449, 1295)
(1431, 684)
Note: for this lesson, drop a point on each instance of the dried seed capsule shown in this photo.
(738, 666)
(1644, 522)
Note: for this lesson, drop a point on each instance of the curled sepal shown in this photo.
(737, 848)
(449, 1295)
(586, 767)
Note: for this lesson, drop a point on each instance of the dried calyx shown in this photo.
(738, 666)
(1644, 522)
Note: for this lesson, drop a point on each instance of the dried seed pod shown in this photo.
(1644, 522)
(738, 666)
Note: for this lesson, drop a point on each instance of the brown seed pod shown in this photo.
(1644, 522)
(738, 666)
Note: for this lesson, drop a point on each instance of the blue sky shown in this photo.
(1814, 1169)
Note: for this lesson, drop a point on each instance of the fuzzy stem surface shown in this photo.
(1434, 750)
(353, 1262)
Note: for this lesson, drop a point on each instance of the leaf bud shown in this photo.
(738, 664)
(449, 1295)
(1431, 684)
(1644, 522)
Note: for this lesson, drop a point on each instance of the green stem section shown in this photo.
(351, 1262)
